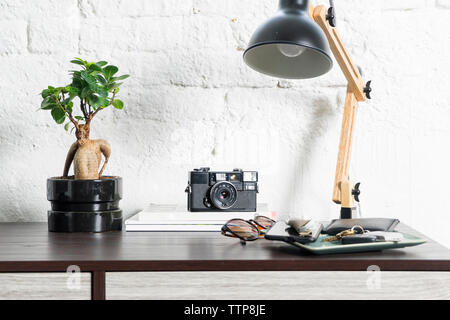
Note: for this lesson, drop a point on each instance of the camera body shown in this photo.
(222, 190)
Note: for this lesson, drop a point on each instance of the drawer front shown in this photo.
(45, 286)
(278, 285)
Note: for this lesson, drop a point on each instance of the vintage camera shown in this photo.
(222, 190)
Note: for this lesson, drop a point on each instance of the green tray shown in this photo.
(319, 247)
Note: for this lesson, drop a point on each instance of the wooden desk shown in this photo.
(28, 247)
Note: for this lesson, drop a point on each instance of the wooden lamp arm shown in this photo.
(355, 93)
(341, 54)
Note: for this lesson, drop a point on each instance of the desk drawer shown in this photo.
(278, 285)
(44, 286)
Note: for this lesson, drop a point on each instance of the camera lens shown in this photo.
(223, 195)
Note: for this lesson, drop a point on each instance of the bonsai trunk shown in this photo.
(86, 155)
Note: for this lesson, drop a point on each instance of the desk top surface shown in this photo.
(30, 247)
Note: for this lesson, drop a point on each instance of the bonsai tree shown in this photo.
(96, 88)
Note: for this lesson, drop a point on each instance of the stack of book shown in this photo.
(160, 217)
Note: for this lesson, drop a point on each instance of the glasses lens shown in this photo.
(243, 229)
(264, 221)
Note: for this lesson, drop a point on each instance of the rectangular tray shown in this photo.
(319, 247)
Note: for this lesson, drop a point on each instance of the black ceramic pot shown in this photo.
(84, 205)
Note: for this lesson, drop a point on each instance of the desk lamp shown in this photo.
(295, 44)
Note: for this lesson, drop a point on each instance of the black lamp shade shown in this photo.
(290, 45)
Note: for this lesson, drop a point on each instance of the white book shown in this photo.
(174, 227)
(167, 214)
(165, 217)
(166, 222)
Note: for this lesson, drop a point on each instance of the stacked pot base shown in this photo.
(84, 205)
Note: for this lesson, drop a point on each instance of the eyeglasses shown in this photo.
(247, 230)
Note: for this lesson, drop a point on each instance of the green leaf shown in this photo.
(84, 92)
(94, 67)
(58, 115)
(103, 102)
(73, 92)
(48, 103)
(97, 102)
(81, 60)
(102, 92)
(102, 63)
(101, 79)
(46, 92)
(79, 117)
(69, 106)
(48, 106)
(76, 83)
(77, 62)
(109, 71)
(76, 75)
(66, 126)
(121, 77)
(86, 76)
(118, 104)
(112, 87)
(89, 79)
(57, 91)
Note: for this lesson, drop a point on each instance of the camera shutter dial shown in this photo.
(223, 195)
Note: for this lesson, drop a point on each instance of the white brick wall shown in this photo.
(191, 101)
(13, 37)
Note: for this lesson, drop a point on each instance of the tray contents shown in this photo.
(355, 239)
